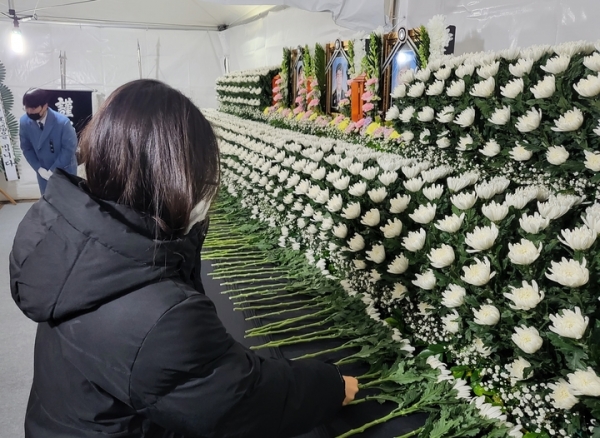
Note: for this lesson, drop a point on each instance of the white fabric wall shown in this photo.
(502, 24)
(260, 43)
(103, 59)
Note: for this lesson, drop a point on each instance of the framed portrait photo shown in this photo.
(400, 53)
(338, 75)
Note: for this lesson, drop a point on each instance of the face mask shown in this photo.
(34, 116)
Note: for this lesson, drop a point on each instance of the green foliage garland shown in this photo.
(285, 86)
(351, 68)
(309, 68)
(424, 43)
(320, 74)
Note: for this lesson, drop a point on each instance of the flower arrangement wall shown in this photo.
(249, 91)
(12, 123)
(489, 263)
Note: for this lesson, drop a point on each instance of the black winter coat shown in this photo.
(129, 346)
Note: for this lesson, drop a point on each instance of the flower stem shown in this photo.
(217, 275)
(413, 433)
(269, 306)
(394, 414)
(330, 350)
(262, 300)
(253, 280)
(281, 312)
(293, 341)
(287, 322)
(289, 330)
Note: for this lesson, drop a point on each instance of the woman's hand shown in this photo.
(351, 389)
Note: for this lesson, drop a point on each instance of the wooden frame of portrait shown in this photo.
(335, 51)
(393, 44)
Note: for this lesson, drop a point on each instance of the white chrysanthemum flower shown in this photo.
(569, 121)
(443, 142)
(557, 155)
(340, 231)
(450, 224)
(426, 281)
(399, 91)
(527, 339)
(357, 243)
(451, 322)
(478, 274)
(456, 184)
(521, 67)
(359, 264)
(530, 121)
(413, 184)
(592, 62)
(517, 370)
(378, 195)
(569, 273)
(446, 115)
(578, 239)
(524, 252)
(464, 143)
(433, 192)
(544, 88)
(570, 324)
(355, 168)
(490, 149)
(411, 171)
(399, 266)
(487, 410)
(494, 211)
(584, 382)
(553, 208)
(519, 153)
(464, 201)
(423, 75)
(399, 291)
(352, 211)
(526, 297)
(369, 173)
(561, 395)
(392, 114)
(392, 229)
(436, 88)
(465, 70)
(427, 114)
(424, 213)
(341, 183)
(399, 204)
(388, 178)
(513, 88)
(358, 189)
(488, 71)
(443, 74)
(371, 218)
(454, 296)
(592, 160)
(377, 254)
(407, 114)
(501, 116)
(463, 390)
(456, 88)
(416, 90)
(441, 257)
(484, 88)
(482, 238)
(557, 65)
(486, 315)
(589, 86)
(465, 118)
(415, 240)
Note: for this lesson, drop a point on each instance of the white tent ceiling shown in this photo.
(180, 14)
(193, 14)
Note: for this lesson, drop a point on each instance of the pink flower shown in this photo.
(360, 123)
(368, 107)
(307, 114)
(350, 81)
(298, 110)
(348, 93)
(367, 97)
(338, 119)
(299, 99)
(278, 97)
(314, 82)
(387, 132)
(286, 112)
(344, 102)
(278, 81)
(371, 81)
(276, 90)
(379, 132)
(351, 127)
(313, 103)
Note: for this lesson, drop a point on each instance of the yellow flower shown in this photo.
(313, 116)
(343, 125)
(299, 116)
(280, 109)
(266, 111)
(394, 135)
(372, 127)
(290, 115)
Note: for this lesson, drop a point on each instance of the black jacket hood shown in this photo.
(74, 252)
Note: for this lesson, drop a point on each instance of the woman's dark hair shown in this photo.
(150, 147)
(34, 98)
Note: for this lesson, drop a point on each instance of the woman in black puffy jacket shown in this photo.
(127, 344)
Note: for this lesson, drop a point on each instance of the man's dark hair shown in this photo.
(34, 98)
(339, 68)
(149, 147)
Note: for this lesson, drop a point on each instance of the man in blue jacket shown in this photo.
(48, 140)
